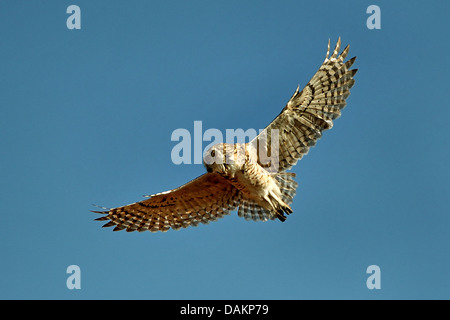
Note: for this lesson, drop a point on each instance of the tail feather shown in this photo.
(250, 210)
(288, 186)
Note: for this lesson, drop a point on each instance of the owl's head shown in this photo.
(224, 158)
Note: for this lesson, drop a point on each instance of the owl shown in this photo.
(250, 178)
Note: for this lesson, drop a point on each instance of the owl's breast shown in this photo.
(252, 180)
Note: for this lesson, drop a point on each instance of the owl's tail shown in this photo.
(288, 187)
(250, 210)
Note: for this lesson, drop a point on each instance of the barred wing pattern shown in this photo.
(201, 200)
(309, 112)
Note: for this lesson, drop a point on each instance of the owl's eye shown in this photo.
(213, 153)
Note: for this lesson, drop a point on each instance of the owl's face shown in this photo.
(224, 158)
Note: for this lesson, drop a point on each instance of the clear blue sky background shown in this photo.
(87, 115)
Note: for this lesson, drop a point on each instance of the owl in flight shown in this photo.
(238, 176)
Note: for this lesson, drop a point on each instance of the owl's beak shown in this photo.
(209, 169)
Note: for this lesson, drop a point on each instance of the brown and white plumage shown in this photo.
(312, 110)
(238, 178)
(196, 201)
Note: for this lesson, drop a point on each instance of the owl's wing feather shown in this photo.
(309, 112)
(204, 199)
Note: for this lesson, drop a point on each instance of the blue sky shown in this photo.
(87, 116)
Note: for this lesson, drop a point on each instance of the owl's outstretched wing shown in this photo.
(203, 199)
(309, 112)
